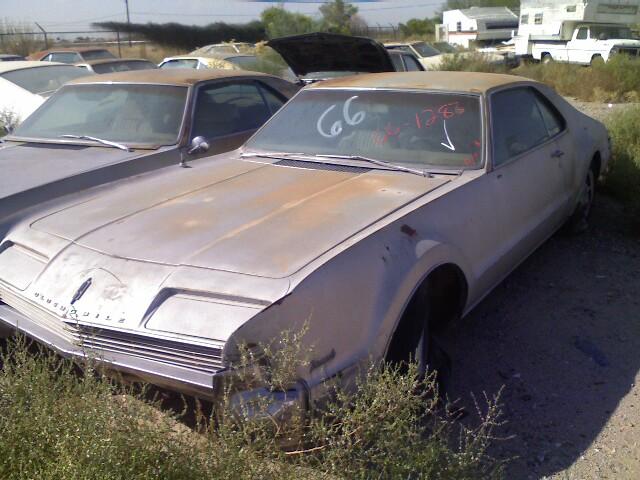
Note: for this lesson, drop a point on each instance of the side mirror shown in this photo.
(198, 145)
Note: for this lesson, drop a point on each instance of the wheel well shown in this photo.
(596, 165)
(442, 295)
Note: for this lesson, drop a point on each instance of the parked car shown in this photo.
(320, 56)
(25, 85)
(112, 65)
(226, 48)
(374, 209)
(8, 57)
(432, 55)
(102, 128)
(234, 61)
(72, 55)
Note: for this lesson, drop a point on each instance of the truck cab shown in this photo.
(593, 43)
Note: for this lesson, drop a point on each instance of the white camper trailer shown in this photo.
(577, 31)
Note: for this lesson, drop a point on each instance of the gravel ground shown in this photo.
(561, 338)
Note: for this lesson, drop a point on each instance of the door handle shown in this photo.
(557, 154)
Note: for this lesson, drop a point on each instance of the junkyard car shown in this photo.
(25, 85)
(320, 56)
(375, 209)
(431, 56)
(105, 127)
(112, 65)
(72, 55)
(9, 57)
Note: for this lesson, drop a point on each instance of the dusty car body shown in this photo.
(9, 57)
(25, 85)
(431, 56)
(163, 277)
(112, 65)
(102, 128)
(71, 55)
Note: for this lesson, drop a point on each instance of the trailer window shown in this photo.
(524, 19)
(538, 19)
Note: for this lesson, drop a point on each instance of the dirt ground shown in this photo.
(561, 337)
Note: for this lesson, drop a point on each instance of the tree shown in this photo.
(279, 22)
(458, 4)
(417, 27)
(336, 16)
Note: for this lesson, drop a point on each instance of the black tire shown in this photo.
(546, 58)
(579, 221)
(596, 60)
(416, 340)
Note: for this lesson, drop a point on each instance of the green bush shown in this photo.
(61, 420)
(623, 178)
(615, 81)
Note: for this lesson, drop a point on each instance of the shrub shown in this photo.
(623, 178)
(17, 40)
(61, 420)
(615, 81)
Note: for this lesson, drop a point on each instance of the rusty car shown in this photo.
(112, 65)
(71, 55)
(102, 128)
(370, 212)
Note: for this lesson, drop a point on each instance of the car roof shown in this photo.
(71, 49)
(114, 60)
(22, 64)
(445, 81)
(174, 76)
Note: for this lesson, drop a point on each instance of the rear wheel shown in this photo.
(546, 58)
(596, 60)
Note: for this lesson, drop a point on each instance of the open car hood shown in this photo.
(330, 52)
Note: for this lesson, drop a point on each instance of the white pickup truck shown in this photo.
(589, 44)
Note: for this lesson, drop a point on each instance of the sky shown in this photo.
(75, 15)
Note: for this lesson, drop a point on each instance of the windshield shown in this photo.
(180, 63)
(611, 32)
(417, 129)
(134, 114)
(425, 50)
(44, 79)
(444, 47)
(123, 66)
(97, 54)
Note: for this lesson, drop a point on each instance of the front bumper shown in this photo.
(189, 381)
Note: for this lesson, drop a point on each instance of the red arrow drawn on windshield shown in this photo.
(450, 144)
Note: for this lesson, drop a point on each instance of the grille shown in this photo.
(194, 357)
(321, 166)
(98, 340)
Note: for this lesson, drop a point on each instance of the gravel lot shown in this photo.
(561, 337)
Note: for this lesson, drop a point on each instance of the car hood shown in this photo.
(330, 52)
(28, 165)
(264, 220)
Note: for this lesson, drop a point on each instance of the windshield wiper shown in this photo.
(99, 140)
(382, 163)
(315, 157)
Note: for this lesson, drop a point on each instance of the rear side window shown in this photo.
(517, 123)
(397, 63)
(228, 109)
(553, 120)
(183, 63)
(411, 63)
(65, 57)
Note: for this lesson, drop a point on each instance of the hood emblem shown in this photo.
(80, 292)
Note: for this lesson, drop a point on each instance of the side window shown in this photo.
(65, 57)
(397, 63)
(274, 100)
(48, 58)
(412, 64)
(583, 33)
(517, 123)
(538, 19)
(524, 19)
(227, 109)
(458, 26)
(553, 120)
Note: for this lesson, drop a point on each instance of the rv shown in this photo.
(577, 31)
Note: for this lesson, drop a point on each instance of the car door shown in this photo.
(527, 180)
(576, 46)
(228, 113)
